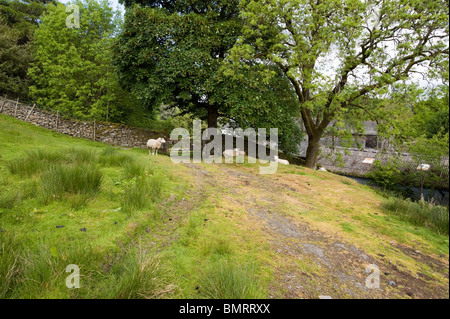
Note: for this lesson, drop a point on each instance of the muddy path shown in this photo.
(314, 263)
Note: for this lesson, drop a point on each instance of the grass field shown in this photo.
(143, 227)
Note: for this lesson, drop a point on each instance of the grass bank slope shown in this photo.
(143, 227)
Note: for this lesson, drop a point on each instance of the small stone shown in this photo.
(392, 283)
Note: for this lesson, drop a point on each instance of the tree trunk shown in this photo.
(212, 116)
(312, 151)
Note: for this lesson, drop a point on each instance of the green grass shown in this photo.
(140, 193)
(76, 183)
(419, 213)
(61, 203)
(139, 226)
(111, 156)
(132, 169)
(223, 280)
(140, 274)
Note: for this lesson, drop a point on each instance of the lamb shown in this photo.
(281, 161)
(155, 145)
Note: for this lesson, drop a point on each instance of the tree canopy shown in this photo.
(18, 21)
(338, 53)
(171, 52)
(73, 72)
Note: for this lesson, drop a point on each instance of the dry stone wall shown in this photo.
(110, 133)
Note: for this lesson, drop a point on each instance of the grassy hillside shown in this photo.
(143, 227)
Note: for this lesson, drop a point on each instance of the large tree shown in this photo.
(18, 21)
(171, 51)
(337, 53)
(73, 72)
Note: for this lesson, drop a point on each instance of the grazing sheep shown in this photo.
(281, 161)
(155, 145)
(233, 152)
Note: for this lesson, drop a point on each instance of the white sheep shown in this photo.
(155, 145)
(233, 152)
(281, 161)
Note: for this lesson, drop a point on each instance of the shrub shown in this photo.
(385, 174)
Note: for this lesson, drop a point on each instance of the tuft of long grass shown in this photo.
(136, 195)
(141, 192)
(10, 270)
(112, 157)
(40, 271)
(37, 160)
(156, 185)
(419, 213)
(225, 280)
(132, 169)
(221, 247)
(140, 275)
(80, 155)
(8, 199)
(24, 167)
(59, 180)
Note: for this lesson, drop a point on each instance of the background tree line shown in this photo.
(295, 65)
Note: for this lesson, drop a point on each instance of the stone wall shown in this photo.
(111, 133)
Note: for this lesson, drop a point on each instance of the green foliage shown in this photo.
(172, 53)
(385, 174)
(18, 21)
(73, 72)
(420, 213)
(302, 37)
(176, 54)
